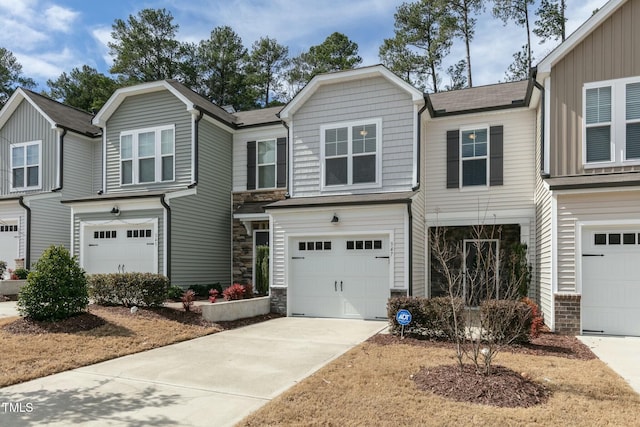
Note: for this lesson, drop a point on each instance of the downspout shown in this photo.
(542, 127)
(417, 186)
(287, 194)
(61, 164)
(167, 233)
(410, 248)
(196, 150)
(27, 255)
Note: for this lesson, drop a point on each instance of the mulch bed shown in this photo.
(92, 319)
(504, 387)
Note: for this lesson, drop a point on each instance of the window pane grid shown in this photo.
(351, 154)
(147, 156)
(25, 166)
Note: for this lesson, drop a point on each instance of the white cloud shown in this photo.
(17, 33)
(60, 18)
(20, 8)
(102, 36)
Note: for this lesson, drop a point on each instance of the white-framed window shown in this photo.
(26, 167)
(351, 154)
(474, 156)
(611, 123)
(147, 155)
(266, 163)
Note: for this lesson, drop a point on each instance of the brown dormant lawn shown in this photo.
(32, 355)
(372, 385)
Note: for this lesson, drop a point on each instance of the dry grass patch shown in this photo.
(40, 349)
(373, 385)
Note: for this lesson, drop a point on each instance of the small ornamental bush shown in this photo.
(234, 292)
(129, 289)
(21, 273)
(506, 321)
(175, 293)
(56, 288)
(430, 317)
(187, 299)
(537, 322)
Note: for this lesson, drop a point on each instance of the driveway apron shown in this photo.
(621, 354)
(211, 381)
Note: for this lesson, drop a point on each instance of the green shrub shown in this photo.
(129, 289)
(202, 291)
(56, 288)
(21, 273)
(506, 321)
(175, 293)
(430, 317)
(3, 267)
(262, 269)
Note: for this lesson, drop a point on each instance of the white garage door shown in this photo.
(120, 248)
(345, 277)
(611, 281)
(9, 242)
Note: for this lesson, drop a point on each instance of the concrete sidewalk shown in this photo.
(8, 309)
(211, 381)
(621, 354)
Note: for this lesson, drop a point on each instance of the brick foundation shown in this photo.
(567, 314)
(279, 300)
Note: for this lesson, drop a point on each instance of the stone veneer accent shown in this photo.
(398, 293)
(243, 243)
(567, 314)
(279, 300)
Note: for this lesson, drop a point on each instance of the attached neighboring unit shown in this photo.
(351, 232)
(588, 191)
(164, 204)
(48, 152)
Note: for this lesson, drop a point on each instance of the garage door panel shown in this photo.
(339, 276)
(120, 248)
(610, 300)
(9, 242)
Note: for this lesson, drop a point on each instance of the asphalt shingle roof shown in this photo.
(65, 116)
(501, 95)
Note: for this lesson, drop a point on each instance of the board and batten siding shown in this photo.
(240, 140)
(143, 111)
(201, 224)
(597, 206)
(343, 102)
(609, 52)
(26, 125)
(368, 219)
(125, 215)
(517, 191)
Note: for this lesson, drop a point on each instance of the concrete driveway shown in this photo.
(621, 354)
(211, 381)
(8, 309)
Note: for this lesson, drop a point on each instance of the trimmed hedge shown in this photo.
(128, 289)
(506, 321)
(430, 317)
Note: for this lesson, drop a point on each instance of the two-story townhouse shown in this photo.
(165, 199)
(588, 189)
(480, 182)
(259, 178)
(351, 231)
(48, 152)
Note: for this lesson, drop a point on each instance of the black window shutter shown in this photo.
(496, 154)
(251, 165)
(453, 159)
(281, 152)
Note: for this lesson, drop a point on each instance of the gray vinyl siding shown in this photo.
(240, 140)
(609, 52)
(201, 224)
(26, 125)
(50, 225)
(418, 208)
(124, 215)
(79, 172)
(353, 101)
(96, 161)
(147, 111)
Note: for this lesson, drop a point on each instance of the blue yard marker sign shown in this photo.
(403, 317)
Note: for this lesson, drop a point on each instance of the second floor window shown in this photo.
(147, 155)
(25, 166)
(351, 153)
(267, 163)
(611, 122)
(474, 156)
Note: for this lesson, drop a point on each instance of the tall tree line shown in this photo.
(145, 48)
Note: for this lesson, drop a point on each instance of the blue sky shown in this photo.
(53, 36)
